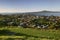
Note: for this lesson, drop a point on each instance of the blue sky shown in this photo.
(29, 5)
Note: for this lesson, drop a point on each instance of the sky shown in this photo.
(29, 5)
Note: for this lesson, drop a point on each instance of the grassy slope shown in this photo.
(35, 33)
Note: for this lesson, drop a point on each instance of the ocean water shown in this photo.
(47, 14)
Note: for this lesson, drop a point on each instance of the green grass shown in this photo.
(12, 36)
(35, 34)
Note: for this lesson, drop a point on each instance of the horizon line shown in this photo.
(29, 11)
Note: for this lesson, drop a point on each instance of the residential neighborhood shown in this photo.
(30, 21)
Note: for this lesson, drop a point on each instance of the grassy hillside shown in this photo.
(33, 34)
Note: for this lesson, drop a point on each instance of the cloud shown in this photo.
(17, 10)
(3, 10)
(7, 10)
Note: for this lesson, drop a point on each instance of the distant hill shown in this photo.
(38, 12)
(44, 11)
(51, 11)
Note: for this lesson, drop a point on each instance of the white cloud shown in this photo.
(17, 10)
(2, 10)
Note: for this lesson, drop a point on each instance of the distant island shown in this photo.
(44, 11)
